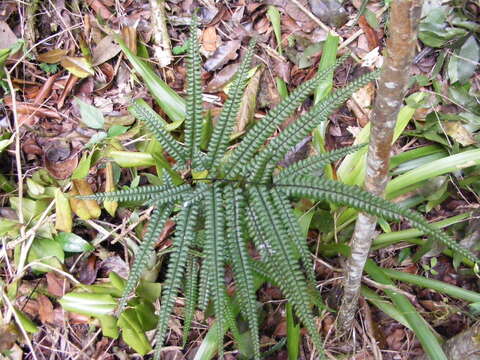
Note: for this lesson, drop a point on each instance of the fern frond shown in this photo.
(184, 236)
(194, 109)
(155, 226)
(204, 285)
(191, 297)
(284, 209)
(260, 132)
(292, 282)
(221, 133)
(160, 194)
(298, 130)
(156, 124)
(241, 261)
(352, 196)
(214, 251)
(318, 162)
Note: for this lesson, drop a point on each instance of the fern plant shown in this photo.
(229, 199)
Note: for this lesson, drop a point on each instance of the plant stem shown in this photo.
(404, 19)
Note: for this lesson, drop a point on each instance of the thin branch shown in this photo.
(404, 18)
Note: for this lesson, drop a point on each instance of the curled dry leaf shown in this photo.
(105, 50)
(85, 209)
(222, 77)
(226, 52)
(59, 160)
(52, 56)
(370, 33)
(78, 66)
(248, 103)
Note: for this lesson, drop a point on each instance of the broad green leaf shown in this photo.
(31, 208)
(73, 243)
(46, 251)
(90, 115)
(109, 326)
(25, 322)
(464, 61)
(63, 212)
(88, 303)
(170, 102)
(435, 168)
(128, 159)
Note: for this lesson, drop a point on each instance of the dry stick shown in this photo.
(163, 47)
(403, 25)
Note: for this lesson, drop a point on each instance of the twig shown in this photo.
(19, 324)
(404, 19)
(162, 47)
(311, 16)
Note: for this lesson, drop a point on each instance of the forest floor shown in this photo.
(68, 129)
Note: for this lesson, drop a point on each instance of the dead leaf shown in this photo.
(105, 50)
(100, 9)
(7, 36)
(8, 336)
(45, 91)
(78, 66)
(281, 329)
(457, 131)
(226, 52)
(110, 206)
(116, 264)
(52, 56)
(248, 103)
(59, 160)
(45, 309)
(129, 35)
(87, 270)
(369, 32)
(71, 81)
(222, 77)
(57, 285)
(209, 39)
(85, 209)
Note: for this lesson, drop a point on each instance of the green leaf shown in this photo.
(88, 304)
(46, 251)
(90, 115)
(170, 102)
(25, 322)
(132, 332)
(464, 61)
(109, 326)
(73, 243)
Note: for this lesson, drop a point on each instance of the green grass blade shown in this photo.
(170, 102)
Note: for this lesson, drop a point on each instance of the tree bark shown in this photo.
(403, 23)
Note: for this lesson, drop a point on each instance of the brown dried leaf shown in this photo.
(249, 102)
(57, 285)
(87, 270)
(45, 309)
(52, 56)
(100, 9)
(226, 52)
(59, 160)
(105, 50)
(222, 77)
(209, 39)
(370, 33)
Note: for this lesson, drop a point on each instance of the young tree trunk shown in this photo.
(403, 22)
